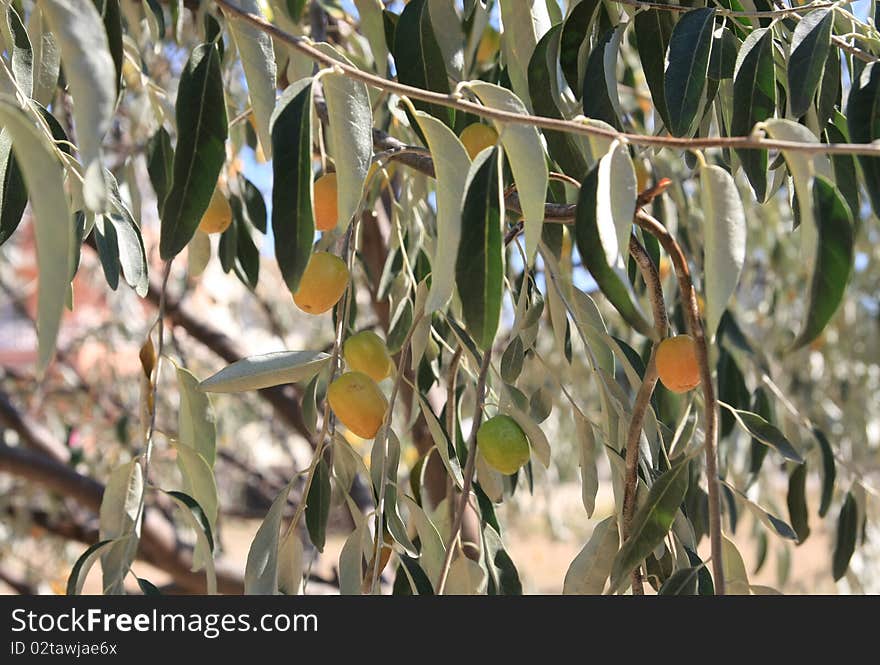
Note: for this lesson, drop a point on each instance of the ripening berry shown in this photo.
(218, 215)
(323, 283)
(503, 444)
(358, 403)
(326, 212)
(677, 363)
(477, 137)
(366, 352)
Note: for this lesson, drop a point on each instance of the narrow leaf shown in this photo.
(318, 505)
(798, 512)
(651, 522)
(265, 371)
(479, 268)
(201, 151)
(725, 241)
(293, 222)
(847, 529)
(834, 260)
(687, 65)
(766, 433)
(590, 569)
(810, 45)
(829, 471)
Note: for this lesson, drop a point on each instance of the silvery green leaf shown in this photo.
(523, 24)
(261, 570)
(91, 75)
(525, 153)
(258, 62)
(197, 427)
(451, 164)
(53, 222)
(725, 240)
(265, 371)
(590, 569)
(119, 520)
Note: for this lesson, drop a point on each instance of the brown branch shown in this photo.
(468, 470)
(695, 325)
(158, 543)
(458, 102)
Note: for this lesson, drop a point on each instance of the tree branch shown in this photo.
(695, 325)
(457, 101)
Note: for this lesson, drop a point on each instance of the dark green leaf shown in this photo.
(542, 66)
(834, 259)
(318, 505)
(685, 77)
(503, 576)
(766, 433)
(829, 97)
(589, 245)
(863, 120)
(732, 389)
(22, 56)
(845, 545)
(651, 522)
(13, 192)
(419, 59)
(423, 584)
(798, 513)
(201, 148)
(148, 588)
(722, 61)
(754, 100)
(761, 406)
(160, 164)
(810, 45)
(247, 256)
(293, 222)
(654, 30)
(197, 512)
(512, 360)
(81, 567)
(254, 205)
(845, 175)
(829, 471)
(479, 267)
(705, 586)
(575, 30)
(112, 18)
(227, 249)
(681, 583)
(597, 96)
(108, 251)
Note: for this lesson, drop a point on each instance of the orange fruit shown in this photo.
(326, 212)
(358, 403)
(366, 352)
(322, 284)
(218, 215)
(677, 363)
(503, 444)
(477, 137)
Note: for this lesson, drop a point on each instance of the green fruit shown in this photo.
(503, 444)
(366, 352)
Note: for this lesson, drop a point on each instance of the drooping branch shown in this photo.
(577, 126)
(695, 326)
(469, 469)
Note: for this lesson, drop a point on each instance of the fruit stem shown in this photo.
(468, 470)
(695, 325)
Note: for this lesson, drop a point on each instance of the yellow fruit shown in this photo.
(218, 216)
(477, 137)
(358, 403)
(323, 283)
(643, 178)
(677, 363)
(503, 444)
(326, 213)
(489, 43)
(366, 352)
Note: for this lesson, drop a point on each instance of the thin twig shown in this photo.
(695, 325)
(468, 471)
(576, 126)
